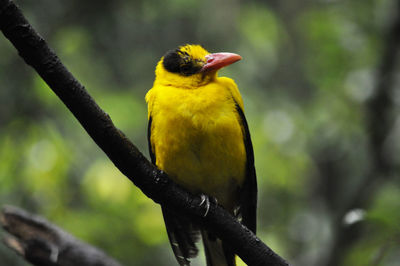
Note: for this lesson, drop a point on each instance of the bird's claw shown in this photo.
(206, 201)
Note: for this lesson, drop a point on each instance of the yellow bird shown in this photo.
(198, 135)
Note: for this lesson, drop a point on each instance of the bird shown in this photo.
(199, 136)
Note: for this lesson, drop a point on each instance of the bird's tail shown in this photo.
(217, 254)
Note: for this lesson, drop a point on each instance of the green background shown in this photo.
(308, 70)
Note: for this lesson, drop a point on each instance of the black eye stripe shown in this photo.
(177, 61)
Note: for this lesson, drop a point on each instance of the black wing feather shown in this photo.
(248, 195)
(152, 155)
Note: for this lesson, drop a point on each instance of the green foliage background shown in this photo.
(308, 69)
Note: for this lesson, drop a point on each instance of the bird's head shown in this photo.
(191, 66)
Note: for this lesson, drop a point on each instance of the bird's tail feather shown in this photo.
(217, 254)
(182, 235)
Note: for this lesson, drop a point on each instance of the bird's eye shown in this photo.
(185, 68)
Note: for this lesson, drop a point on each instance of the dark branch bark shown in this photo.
(45, 244)
(126, 157)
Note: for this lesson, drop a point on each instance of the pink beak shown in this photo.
(219, 60)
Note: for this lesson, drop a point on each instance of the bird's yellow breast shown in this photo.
(197, 138)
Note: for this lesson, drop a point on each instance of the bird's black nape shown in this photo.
(177, 61)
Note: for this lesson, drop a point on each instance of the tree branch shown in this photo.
(43, 243)
(126, 157)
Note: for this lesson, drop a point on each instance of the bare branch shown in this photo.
(43, 243)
